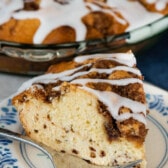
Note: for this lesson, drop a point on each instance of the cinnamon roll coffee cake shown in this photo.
(66, 21)
(92, 107)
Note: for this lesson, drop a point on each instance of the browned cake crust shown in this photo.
(101, 24)
(69, 118)
(21, 31)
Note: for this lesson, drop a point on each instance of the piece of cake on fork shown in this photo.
(92, 107)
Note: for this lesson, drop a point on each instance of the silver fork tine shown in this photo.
(131, 164)
(127, 165)
(27, 140)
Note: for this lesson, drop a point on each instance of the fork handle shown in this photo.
(18, 137)
(25, 139)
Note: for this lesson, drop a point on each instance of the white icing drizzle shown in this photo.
(52, 14)
(123, 58)
(106, 8)
(112, 100)
(47, 78)
(119, 82)
(7, 7)
(118, 68)
(159, 4)
(107, 71)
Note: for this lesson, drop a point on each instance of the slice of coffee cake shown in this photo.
(93, 107)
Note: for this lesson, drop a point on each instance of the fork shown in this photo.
(25, 139)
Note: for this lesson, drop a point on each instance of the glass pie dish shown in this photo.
(33, 59)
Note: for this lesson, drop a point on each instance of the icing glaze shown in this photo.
(53, 14)
(47, 78)
(123, 58)
(7, 7)
(120, 82)
(112, 100)
(159, 4)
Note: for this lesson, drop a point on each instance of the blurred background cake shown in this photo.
(34, 31)
(64, 21)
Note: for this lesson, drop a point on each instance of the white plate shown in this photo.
(17, 155)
